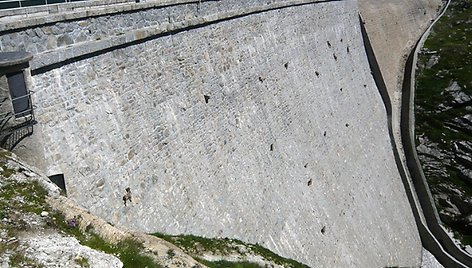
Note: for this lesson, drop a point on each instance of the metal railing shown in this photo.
(15, 126)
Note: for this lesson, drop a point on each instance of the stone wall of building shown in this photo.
(266, 127)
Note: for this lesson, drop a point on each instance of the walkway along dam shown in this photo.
(256, 120)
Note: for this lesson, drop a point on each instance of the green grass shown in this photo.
(18, 197)
(15, 197)
(4, 154)
(455, 64)
(28, 197)
(197, 246)
(466, 239)
(7, 172)
(269, 255)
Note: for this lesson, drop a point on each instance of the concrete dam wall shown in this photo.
(241, 119)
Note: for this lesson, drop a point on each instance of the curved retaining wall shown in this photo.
(418, 196)
(266, 127)
(440, 241)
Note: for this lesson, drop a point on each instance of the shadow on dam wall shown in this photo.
(325, 194)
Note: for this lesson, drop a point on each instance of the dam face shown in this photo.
(266, 127)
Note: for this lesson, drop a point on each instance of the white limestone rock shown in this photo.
(55, 250)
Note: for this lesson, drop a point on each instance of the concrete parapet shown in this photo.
(418, 194)
(33, 11)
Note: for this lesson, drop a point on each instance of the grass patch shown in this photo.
(25, 197)
(4, 154)
(128, 251)
(271, 256)
(466, 239)
(196, 246)
(7, 172)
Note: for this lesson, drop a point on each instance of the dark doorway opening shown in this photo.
(58, 180)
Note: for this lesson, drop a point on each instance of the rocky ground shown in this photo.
(444, 117)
